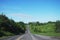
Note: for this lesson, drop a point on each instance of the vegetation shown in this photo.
(45, 28)
(57, 24)
(9, 27)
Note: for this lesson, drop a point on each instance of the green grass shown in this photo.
(49, 34)
(46, 34)
(47, 30)
(8, 34)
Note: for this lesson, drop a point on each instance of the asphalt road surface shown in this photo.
(29, 36)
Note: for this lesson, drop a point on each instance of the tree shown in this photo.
(57, 24)
(10, 26)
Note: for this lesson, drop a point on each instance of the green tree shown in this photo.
(57, 24)
(10, 26)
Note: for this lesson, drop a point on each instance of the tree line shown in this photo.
(50, 26)
(9, 27)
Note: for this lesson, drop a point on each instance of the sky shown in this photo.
(31, 10)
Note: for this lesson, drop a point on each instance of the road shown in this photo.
(29, 36)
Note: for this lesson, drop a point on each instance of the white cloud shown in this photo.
(24, 17)
(21, 15)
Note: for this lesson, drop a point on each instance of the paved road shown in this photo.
(29, 36)
(10, 38)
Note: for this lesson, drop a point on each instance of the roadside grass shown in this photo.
(47, 34)
(50, 34)
(3, 37)
(6, 34)
(47, 30)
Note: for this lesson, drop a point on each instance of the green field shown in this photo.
(47, 34)
(47, 29)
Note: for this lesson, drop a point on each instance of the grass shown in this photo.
(47, 34)
(47, 30)
(6, 34)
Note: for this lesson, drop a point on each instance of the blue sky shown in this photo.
(31, 10)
